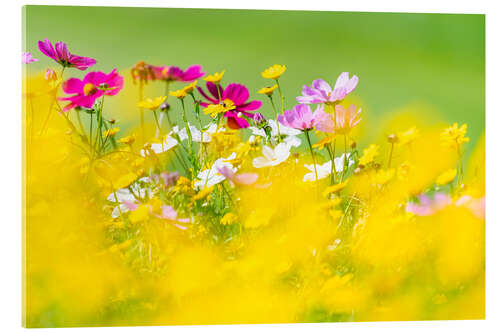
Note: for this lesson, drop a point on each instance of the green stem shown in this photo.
(157, 123)
(276, 114)
(390, 155)
(312, 153)
(344, 159)
(282, 97)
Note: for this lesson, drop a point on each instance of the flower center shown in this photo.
(89, 89)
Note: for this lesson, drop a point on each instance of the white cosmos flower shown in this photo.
(325, 169)
(290, 134)
(196, 133)
(210, 177)
(272, 157)
(169, 142)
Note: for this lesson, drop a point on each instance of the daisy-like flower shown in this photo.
(321, 92)
(369, 154)
(247, 178)
(215, 109)
(408, 136)
(93, 86)
(142, 72)
(173, 73)
(272, 157)
(274, 72)
(228, 219)
(212, 176)
(180, 94)
(335, 188)
(205, 135)
(152, 104)
(215, 78)
(61, 55)
(300, 117)
(288, 134)
(341, 122)
(446, 177)
(27, 58)
(127, 140)
(110, 132)
(455, 136)
(236, 93)
(268, 90)
(325, 169)
(171, 140)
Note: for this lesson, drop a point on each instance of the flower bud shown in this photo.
(352, 144)
(50, 75)
(259, 120)
(112, 121)
(392, 138)
(165, 106)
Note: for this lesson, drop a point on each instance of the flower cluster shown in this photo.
(238, 210)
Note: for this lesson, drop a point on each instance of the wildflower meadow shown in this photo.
(210, 202)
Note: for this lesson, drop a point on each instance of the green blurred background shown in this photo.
(433, 62)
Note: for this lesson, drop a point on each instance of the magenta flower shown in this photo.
(93, 86)
(172, 73)
(239, 95)
(300, 117)
(321, 92)
(61, 55)
(27, 58)
(240, 179)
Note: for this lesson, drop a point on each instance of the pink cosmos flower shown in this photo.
(321, 92)
(27, 58)
(172, 73)
(239, 95)
(476, 205)
(300, 117)
(342, 121)
(93, 86)
(167, 213)
(61, 55)
(427, 205)
(240, 179)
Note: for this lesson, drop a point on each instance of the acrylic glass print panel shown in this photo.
(189, 166)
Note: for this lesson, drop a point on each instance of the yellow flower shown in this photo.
(214, 109)
(335, 188)
(369, 154)
(274, 72)
(184, 186)
(180, 94)
(190, 87)
(152, 104)
(225, 140)
(110, 132)
(128, 140)
(228, 219)
(203, 193)
(408, 136)
(268, 90)
(321, 144)
(382, 177)
(120, 246)
(446, 177)
(140, 214)
(215, 78)
(454, 136)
